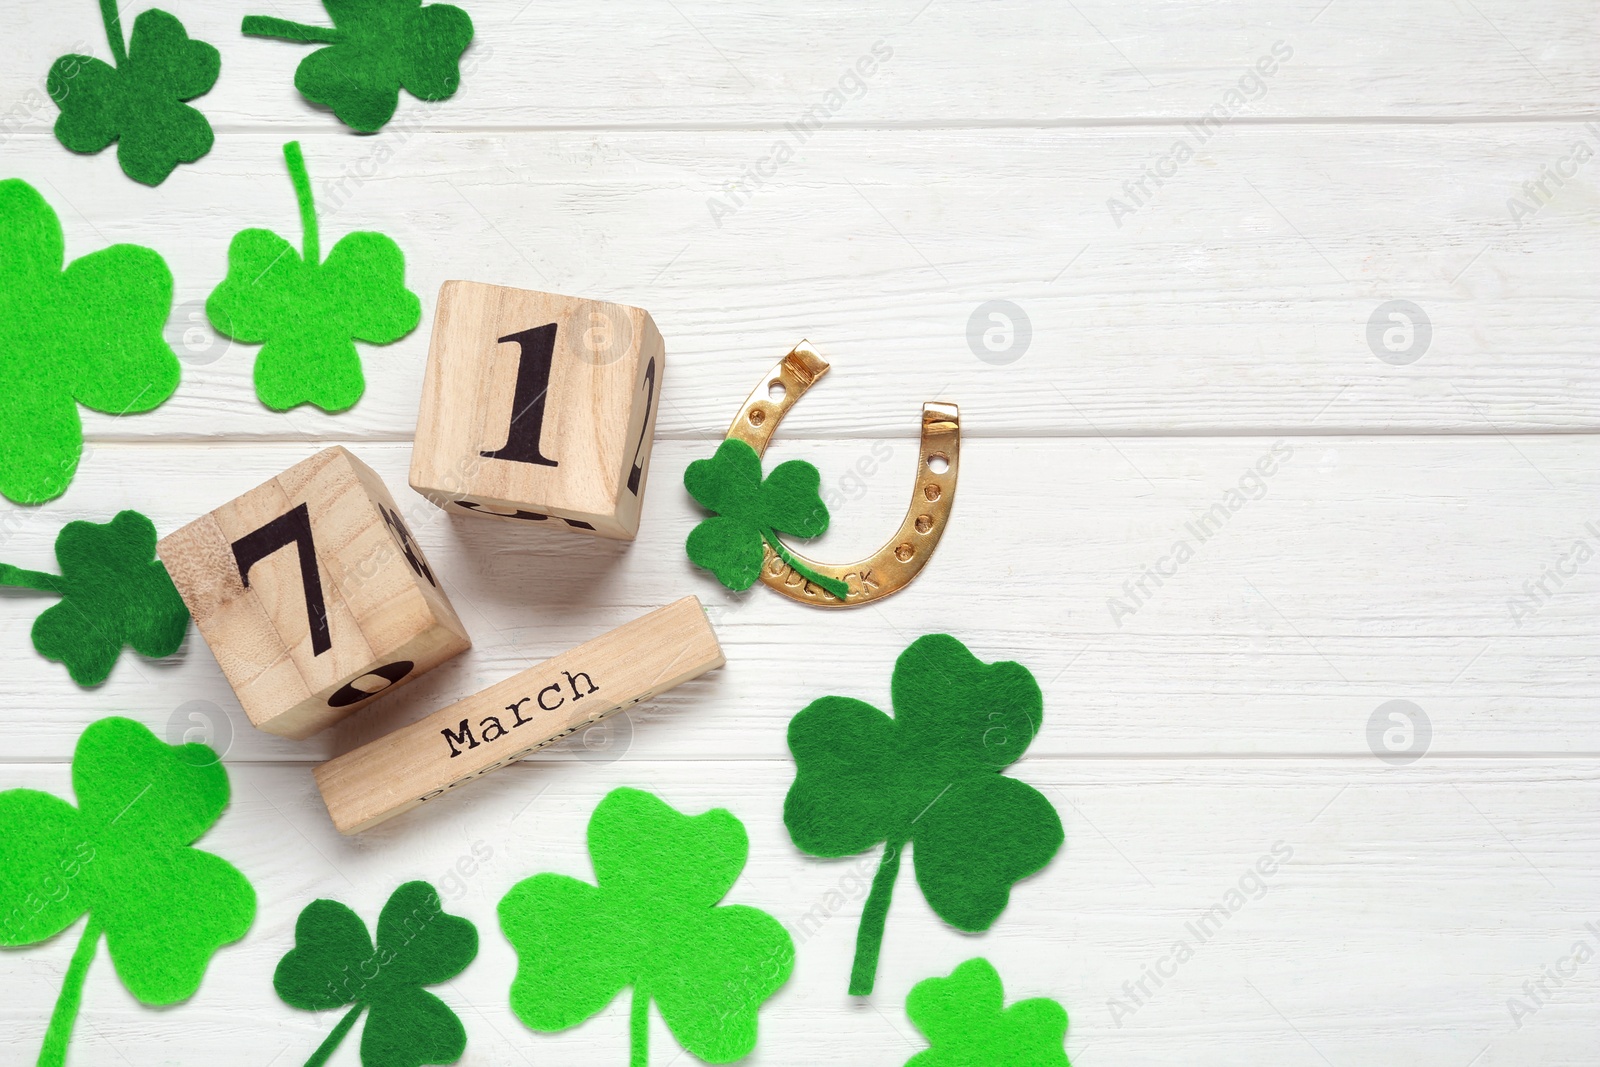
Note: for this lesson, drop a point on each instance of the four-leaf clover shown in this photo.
(334, 963)
(965, 1019)
(89, 334)
(139, 103)
(652, 922)
(929, 776)
(375, 48)
(749, 512)
(114, 592)
(123, 856)
(309, 311)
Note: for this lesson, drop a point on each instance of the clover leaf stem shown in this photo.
(324, 1050)
(53, 1053)
(283, 29)
(312, 249)
(639, 1028)
(113, 21)
(837, 588)
(18, 578)
(869, 935)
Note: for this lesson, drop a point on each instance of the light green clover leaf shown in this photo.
(653, 921)
(123, 856)
(965, 1019)
(88, 334)
(309, 311)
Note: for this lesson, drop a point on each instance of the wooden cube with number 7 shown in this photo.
(538, 408)
(313, 595)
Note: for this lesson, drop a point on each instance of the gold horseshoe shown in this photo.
(902, 557)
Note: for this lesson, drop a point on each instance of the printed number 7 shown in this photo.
(292, 527)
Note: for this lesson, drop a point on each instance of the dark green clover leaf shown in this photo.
(89, 334)
(139, 103)
(929, 776)
(334, 963)
(653, 920)
(750, 512)
(114, 592)
(965, 1019)
(123, 856)
(375, 49)
(309, 311)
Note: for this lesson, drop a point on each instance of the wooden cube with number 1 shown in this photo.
(312, 594)
(538, 408)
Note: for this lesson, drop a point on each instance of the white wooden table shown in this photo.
(1436, 467)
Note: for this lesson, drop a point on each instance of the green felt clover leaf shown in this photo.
(114, 592)
(309, 311)
(123, 856)
(334, 963)
(749, 512)
(139, 103)
(652, 922)
(89, 334)
(375, 49)
(930, 776)
(965, 1019)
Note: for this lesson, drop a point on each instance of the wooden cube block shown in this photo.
(538, 408)
(518, 716)
(312, 594)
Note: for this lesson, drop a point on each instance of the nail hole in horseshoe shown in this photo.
(924, 523)
(757, 416)
(931, 491)
(904, 552)
(938, 463)
(776, 390)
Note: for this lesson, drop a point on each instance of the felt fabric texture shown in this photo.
(139, 103)
(88, 334)
(928, 777)
(375, 48)
(334, 963)
(965, 1019)
(749, 511)
(306, 312)
(653, 922)
(114, 592)
(123, 856)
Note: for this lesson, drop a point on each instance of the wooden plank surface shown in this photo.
(1340, 324)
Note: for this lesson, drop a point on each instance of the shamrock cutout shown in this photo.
(89, 334)
(930, 775)
(652, 922)
(113, 591)
(749, 512)
(333, 963)
(309, 312)
(376, 48)
(139, 103)
(965, 1019)
(123, 856)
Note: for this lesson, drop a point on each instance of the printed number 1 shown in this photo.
(537, 351)
(293, 527)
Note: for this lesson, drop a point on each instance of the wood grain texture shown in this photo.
(1429, 531)
(516, 717)
(728, 62)
(538, 407)
(1237, 299)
